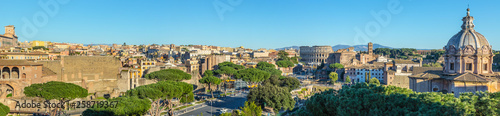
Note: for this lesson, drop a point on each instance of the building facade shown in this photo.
(315, 54)
(467, 67)
(9, 38)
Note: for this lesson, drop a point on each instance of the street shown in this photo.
(229, 102)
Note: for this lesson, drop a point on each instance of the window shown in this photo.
(452, 66)
(468, 66)
(485, 67)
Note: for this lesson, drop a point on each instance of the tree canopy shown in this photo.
(210, 80)
(4, 110)
(262, 65)
(272, 71)
(252, 75)
(272, 96)
(60, 91)
(127, 106)
(374, 81)
(282, 55)
(396, 52)
(250, 109)
(55, 90)
(208, 73)
(230, 64)
(367, 99)
(169, 74)
(226, 70)
(285, 63)
(333, 77)
(347, 79)
(40, 47)
(162, 90)
(432, 65)
(290, 82)
(336, 66)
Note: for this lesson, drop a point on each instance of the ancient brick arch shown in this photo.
(5, 73)
(7, 88)
(14, 73)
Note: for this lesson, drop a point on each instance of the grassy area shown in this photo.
(182, 107)
(226, 94)
(202, 101)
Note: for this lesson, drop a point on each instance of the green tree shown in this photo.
(262, 65)
(347, 79)
(226, 70)
(333, 77)
(485, 104)
(285, 63)
(208, 73)
(336, 66)
(251, 109)
(282, 55)
(361, 99)
(230, 64)
(272, 96)
(4, 110)
(272, 71)
(161, 91)
(61, 91)
(295, 59)
(368, 76)
(126, 106)
(40, 47)
(374, 81)
(210, 80)
(290, 82)
(169, 74)
(252, 75)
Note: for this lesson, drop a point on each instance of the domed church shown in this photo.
(467, 65)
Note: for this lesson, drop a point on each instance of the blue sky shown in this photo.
(251, 23)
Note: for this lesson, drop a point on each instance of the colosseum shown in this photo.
(315, 54)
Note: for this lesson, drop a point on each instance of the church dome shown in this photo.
(467, 36)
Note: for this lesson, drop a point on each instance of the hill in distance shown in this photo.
(337, 47)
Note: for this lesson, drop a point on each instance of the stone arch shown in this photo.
(486, 50)
(452, 49)
(15, 73)
(6, 89)
(5, 73)
(469, 49)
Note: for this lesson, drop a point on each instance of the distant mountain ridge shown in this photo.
(358, 47)
(337, 47)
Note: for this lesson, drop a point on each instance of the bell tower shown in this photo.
(370, 48)
(10, 31)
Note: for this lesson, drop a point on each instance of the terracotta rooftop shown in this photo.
(417, 70)
(469, 77)
(17, 63)
(405, 62)
(436, 74)
(23, 53)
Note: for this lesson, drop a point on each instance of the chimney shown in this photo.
(420, 61)
(398, 69)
